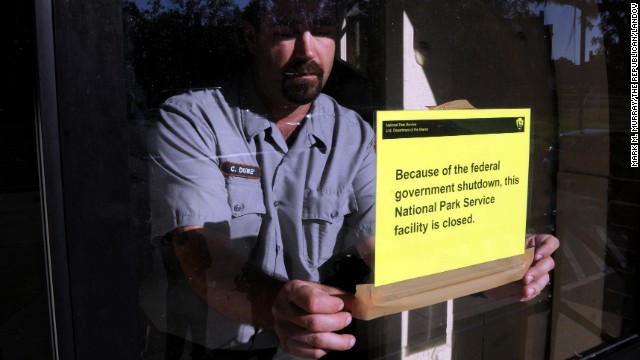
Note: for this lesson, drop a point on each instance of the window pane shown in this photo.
(566, 61)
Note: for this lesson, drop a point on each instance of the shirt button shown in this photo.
(238, 207)
(334, 214)
(276, 203)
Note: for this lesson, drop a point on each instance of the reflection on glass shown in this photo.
(564, 60)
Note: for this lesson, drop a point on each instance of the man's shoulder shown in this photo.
(195, 96)
(221, 92)
(342, 115)
(212, 107)
(344, 119)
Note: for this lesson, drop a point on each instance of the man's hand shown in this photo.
(307, 315)
(537, 277)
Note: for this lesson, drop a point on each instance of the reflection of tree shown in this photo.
(185, 44)
(615, 27)
(612, 17)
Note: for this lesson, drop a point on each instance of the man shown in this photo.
(262, 184)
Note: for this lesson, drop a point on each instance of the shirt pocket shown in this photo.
(323, 215)
(246, 204)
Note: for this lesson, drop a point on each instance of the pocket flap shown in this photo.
(328, 205)
(245, 197)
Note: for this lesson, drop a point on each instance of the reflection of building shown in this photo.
(437, 52)
(424, 64)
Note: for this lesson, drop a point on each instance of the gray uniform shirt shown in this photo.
(216, 160)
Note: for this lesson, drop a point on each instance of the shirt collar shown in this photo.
(321, 119)
(254, 112)
(317, 127)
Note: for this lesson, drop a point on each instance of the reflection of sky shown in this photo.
(566, 32)
(564, 18)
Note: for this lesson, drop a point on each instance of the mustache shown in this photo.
(308, 67)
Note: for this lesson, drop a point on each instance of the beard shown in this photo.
(302, 91)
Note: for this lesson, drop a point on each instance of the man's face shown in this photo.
(294, 49)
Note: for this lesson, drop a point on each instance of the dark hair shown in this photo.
(254, 12)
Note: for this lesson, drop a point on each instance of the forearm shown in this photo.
(222, 278)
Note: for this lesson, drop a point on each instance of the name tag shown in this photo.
(240, 170)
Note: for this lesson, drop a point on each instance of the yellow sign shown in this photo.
(451, 190)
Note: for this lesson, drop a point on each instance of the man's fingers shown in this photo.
(536, 278)
(316, 345)
(313, 300)
(545, 245)
(534, 288)
(306, 307)
(348, 300)
(539, 268)
(311, 344)
(323, 322)
(303, 350)
(307, 315)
